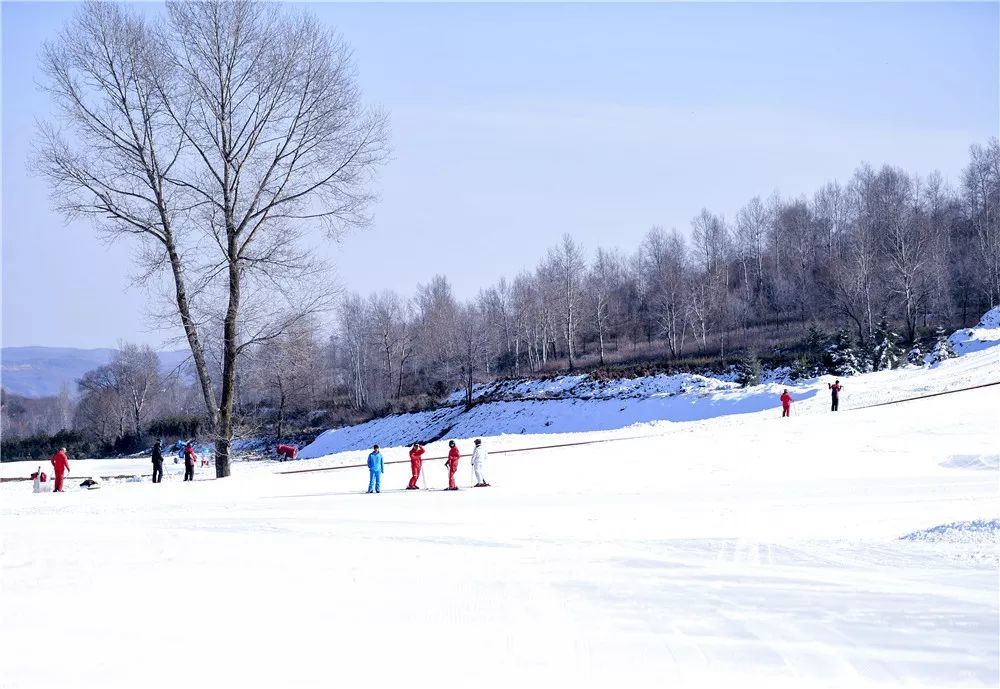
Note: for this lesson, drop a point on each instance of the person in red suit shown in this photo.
(452, 462)
(786, 404)
(416, 453)
(287, 452)
(60, 462)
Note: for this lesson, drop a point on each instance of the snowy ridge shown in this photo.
(985, 531)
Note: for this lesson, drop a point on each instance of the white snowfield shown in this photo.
(850, 549)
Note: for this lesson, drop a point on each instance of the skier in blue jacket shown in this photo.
(375, 468)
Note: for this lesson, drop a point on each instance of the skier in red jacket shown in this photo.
(61, 465)
(786, 404)
(452, 462)
(416, 453)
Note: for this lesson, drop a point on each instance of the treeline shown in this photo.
(886, 247)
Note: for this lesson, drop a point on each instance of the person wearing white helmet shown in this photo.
(478, 464)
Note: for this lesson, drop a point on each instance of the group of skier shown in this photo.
(376, 466)
(376, 463)
(835, 387)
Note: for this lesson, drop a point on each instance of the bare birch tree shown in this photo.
(269, 104)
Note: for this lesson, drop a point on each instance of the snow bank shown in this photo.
(571, 404)
(388, 431)
(979, 531)
(985, 334)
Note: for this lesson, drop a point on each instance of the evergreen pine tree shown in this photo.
(811, 363)
(748, 369)
(841, 359)
(884, 353)
(915, 357)
(800, 369)
(942, 347)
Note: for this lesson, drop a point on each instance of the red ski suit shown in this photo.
(289, 451)
(453, 455)
(61, 464)
(415, 463)
(786, 404)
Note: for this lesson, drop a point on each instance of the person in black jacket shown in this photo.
(157, 462)
(835, 389)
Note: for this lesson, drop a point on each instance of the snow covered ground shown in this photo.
(573, 404)
(858, 549)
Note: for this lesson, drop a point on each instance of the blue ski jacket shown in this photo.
(375, 462)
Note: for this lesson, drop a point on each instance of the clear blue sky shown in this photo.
(515, 123)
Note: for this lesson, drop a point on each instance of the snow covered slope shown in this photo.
(985, 334)
(850, 549)
(571, 404)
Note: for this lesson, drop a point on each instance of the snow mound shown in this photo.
(973, 462)
(979, 531)
(388, 431)
(985, 334)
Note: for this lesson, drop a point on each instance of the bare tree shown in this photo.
(981, 184)
(905, 239)
(566, 267)
(390, 327)
(752, 223)
(137, 370)
(270, 107)
(122, 388)
(602, 283)
(285, 369)
(354, 333)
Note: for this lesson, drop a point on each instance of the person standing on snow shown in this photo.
(60, 462)
(786, 404)
(478, 464)
(157, 462)
(452, 462)
(835, 394)
(416, 453)
(375, 468)
(189, 459)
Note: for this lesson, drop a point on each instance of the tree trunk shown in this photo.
(224, 432)
(194, 342)
(281, 409)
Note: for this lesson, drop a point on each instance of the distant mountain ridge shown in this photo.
(43, 371)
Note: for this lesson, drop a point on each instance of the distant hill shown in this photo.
(42, 371)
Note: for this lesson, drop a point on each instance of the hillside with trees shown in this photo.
(863, 275)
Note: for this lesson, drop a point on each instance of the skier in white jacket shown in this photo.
(478, 464)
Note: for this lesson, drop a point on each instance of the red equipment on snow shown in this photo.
(287, 451)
